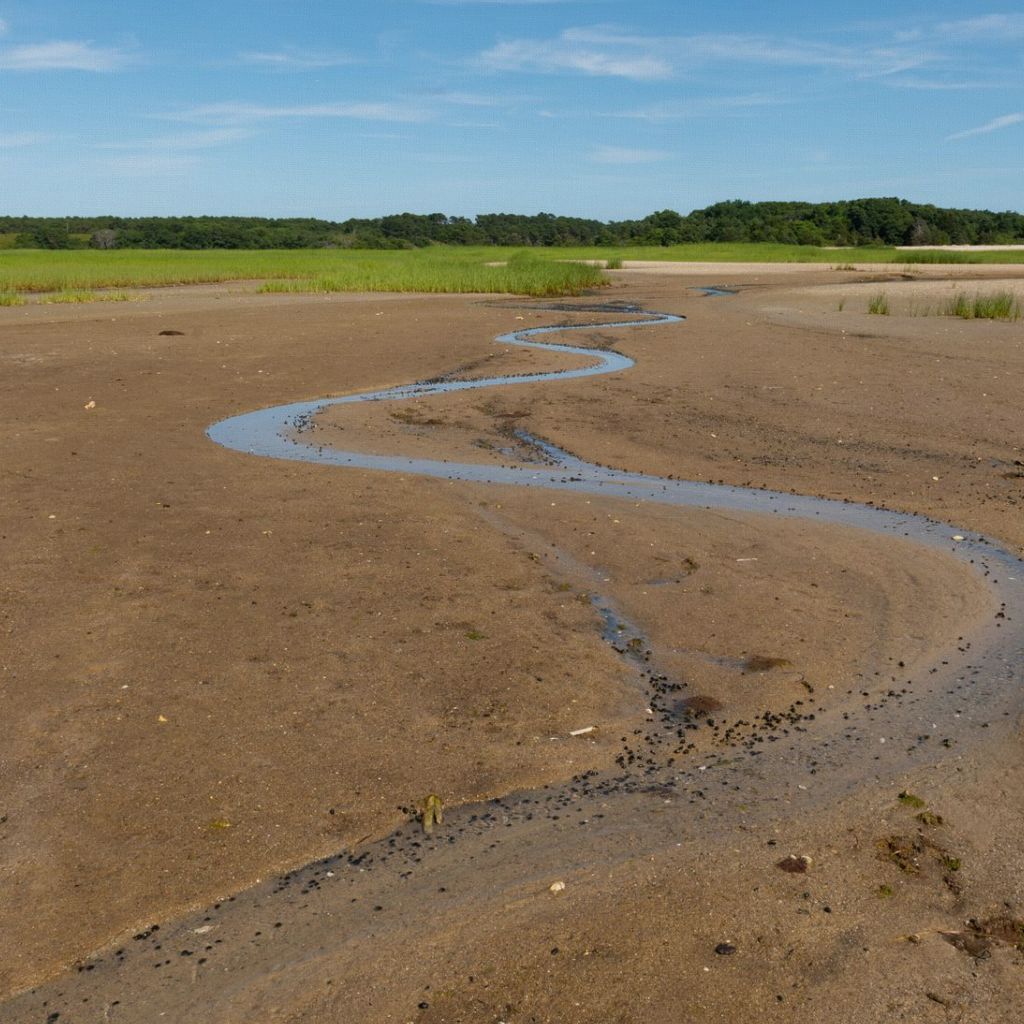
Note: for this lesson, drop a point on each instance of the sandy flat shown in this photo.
(220, 668)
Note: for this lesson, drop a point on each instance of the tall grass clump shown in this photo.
(879, 304)
(999, 306)
(11, 299)
(613, 263)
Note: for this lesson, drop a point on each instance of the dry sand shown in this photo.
(217, 668)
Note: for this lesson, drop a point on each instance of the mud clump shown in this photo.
(794, 865)
(699, 706)
(979, 938)
(765, 663)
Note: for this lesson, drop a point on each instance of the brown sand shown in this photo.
(218, 667)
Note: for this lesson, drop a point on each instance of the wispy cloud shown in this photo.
(1006, 121)
(148, 165)
(468, 99)
(243, 113)
(183, 142)
(606, 50)
(697, 107)
(626, 155)
(568, 54)
(294, 59)
(499, 3)
(63, 56)
(992, 27)
(20, 140)
(937, 84)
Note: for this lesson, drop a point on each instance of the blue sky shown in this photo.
(587, 107)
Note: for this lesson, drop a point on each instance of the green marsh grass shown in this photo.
(775, 252)
(436, 268)
(520, 275)
(11, 299)
(879, 304)
(946, 256)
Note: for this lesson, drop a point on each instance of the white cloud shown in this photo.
(498, 3)
(938, 85)
(994, 28)
(148, 165)
(290, 59)
(467, 99)
(604, 50)
(63, 56)
(564, 54)
(625, 155)
(19, 140)
(184, 142)
(990, 126)
(241, 113)
(701, 106)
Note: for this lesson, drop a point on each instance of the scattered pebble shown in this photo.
(557, 887)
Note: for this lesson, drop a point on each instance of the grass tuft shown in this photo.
(89, 296)
(1000, 306)
(11, 299)
(879, 304)
(910, 800)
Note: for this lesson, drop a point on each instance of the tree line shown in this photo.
(851, 222)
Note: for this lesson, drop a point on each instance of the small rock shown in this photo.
(91, 404)
(725, 949)
(172, 334)
(556, 887)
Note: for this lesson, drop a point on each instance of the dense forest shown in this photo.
(848, 223)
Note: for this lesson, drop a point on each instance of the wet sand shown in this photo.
(224, 667)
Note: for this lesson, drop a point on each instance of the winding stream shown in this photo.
(783, 764)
